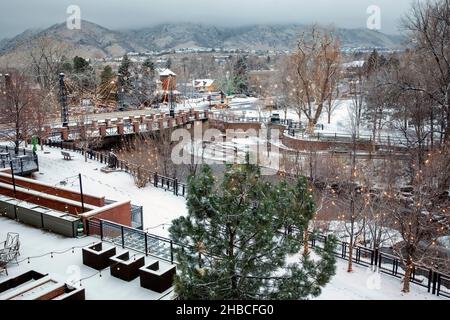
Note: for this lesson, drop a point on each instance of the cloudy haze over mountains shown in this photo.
(95, 41)
(18, 15)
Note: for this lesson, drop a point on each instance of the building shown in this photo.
(166, 84)
(205, 85)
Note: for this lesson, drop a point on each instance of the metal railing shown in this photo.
(435, 282)
(153, 178)
(24, 162)
(134, 239)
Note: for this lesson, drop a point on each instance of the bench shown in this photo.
(66, 155)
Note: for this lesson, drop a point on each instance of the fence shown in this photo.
(137, 240)
(435, 282)
(347, 138)
(163, 248)
(154, 178)
(24, 162)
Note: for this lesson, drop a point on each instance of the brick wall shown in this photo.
(49, 189)
(42, 201)
(298, 144)
(119, 212)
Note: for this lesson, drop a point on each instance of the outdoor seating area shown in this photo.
(59, 265)
(66, 155)
(9, 251)
(24, 162)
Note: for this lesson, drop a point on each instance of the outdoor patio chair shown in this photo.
(11, 242)
(4, 263)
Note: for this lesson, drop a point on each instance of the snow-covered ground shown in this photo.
(159, 208)
(68, 267)
(363, 284)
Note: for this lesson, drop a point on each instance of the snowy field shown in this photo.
(160, 208)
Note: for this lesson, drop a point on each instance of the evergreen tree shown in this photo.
(146, 84)
(148, 65)
(375, 62)
(240, 71)
(125, 71)
(80, 65)
(169, 63)
(107, 75)
(107, 86)
(238, 235)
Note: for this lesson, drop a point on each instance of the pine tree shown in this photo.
(240, 80)
(148, 65)
(80, 65)
(238, 235)
(107, 75)
(107, 85)
(125, 71)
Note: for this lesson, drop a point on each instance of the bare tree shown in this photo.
(428, 24)
(46, 59)
(317, 70)
(421, 212)
(18, 97)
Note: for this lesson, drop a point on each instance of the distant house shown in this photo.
(166, 84)
(205, 85)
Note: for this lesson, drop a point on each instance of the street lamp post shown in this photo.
(210, 100)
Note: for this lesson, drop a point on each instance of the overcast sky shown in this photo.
(19, 15)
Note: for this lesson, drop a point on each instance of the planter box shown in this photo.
(97, 257)
(60, 223)
(157, 279)
(124, 268)
(27, 215)
(8, 207)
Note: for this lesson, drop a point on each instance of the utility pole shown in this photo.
(171, 98)
(120, 90)
(185, 84)
(81, 193)
(13, 178)
(63, 101)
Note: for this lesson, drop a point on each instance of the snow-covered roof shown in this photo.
(164, 72)
(203, 83)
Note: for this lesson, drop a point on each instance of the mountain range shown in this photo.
(95, 41)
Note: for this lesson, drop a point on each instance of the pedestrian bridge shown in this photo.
(130, 125)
